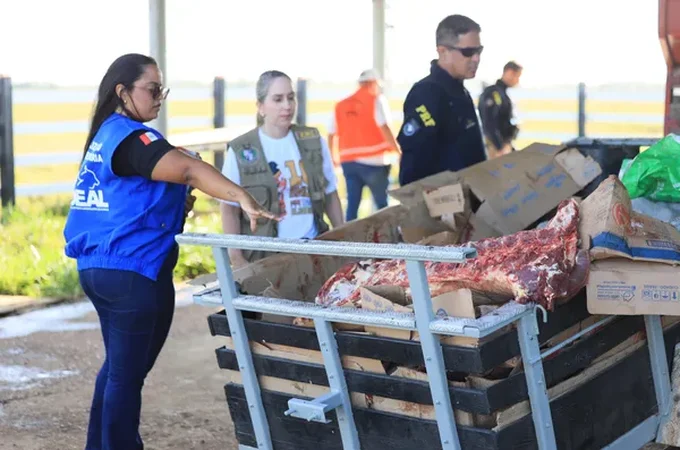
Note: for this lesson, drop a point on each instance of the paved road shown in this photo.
(48, 362)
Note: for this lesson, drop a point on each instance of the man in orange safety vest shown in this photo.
(362, 143)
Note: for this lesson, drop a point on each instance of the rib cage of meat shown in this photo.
(539, 265)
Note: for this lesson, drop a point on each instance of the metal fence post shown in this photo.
(7, 188)
(302, 101)
(581, 110)
(219, 102)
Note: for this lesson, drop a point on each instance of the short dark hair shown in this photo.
(512, 65)
(454, 26)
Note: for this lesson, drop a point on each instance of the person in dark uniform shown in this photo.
(495, 111)
(130, 200)
(440, 130)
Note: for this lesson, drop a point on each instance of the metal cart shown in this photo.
(422, 320)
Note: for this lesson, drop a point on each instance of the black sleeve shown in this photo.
(489, 108)
(138, 154)
(422, 113)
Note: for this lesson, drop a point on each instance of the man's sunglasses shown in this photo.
(468, 52)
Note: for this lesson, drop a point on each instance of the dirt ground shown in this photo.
(48, 362)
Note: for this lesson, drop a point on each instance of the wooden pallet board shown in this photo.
(589, 416)
(485, 399)
(472, 360)
(655, 446)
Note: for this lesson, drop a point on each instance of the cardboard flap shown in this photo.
(441, 239)
(583, 170)
(544, 149)
(615, 230)
(412, 193)
(445, 200)
(458, 303)
(384, 298)
(477, 228)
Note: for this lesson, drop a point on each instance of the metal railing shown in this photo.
(421, 320)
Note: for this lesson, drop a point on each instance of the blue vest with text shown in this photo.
(123, 223)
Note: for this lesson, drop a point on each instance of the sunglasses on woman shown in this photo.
(158, 92)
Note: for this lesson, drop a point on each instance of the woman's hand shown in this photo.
(254, 210)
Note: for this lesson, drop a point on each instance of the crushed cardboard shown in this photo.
(615, 230)
(515, 190)
(457, 303)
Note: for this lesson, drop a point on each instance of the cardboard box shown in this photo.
(615, 230)
(515, 190)
(390, 225)
(457, 303)
(624, 287)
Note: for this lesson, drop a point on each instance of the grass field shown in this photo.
(32, 247)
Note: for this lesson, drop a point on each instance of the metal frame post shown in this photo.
(7, 187)
(244, 356)
(527, 331)
(379, 36)
(660, 372)
(581, 109)
(336, 380)
(157, 38)
(432, 354)
(302, 101)
(219, 105)
(651, 430)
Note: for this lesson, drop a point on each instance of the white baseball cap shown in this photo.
(369, 75)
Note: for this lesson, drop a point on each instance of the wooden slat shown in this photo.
(377, 430)
(590, 416)
(387, 386)
(471, 360)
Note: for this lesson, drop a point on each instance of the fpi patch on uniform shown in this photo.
(411, 127)
(307, 134)
(148, 137)
(248, 155)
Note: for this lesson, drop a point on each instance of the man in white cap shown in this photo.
(365, 146)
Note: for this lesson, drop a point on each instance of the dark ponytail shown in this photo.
(125, 70)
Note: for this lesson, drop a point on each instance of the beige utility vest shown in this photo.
(257, 178)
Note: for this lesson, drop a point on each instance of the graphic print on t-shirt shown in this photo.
(300, 203)
(281, 184)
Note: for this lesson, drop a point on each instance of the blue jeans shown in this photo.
(357, 176)
(135, 314)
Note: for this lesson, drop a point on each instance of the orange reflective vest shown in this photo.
(358, 134)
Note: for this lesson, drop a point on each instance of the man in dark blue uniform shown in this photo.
(495, 110)
(440, 130)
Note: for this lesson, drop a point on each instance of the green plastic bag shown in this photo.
(655, 173)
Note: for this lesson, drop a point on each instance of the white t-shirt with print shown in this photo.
(382, 117)
(283, 156)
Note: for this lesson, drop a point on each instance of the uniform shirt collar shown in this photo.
(442, 76)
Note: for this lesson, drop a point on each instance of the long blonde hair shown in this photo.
(262, 89)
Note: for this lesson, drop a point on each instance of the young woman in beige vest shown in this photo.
(287, 168)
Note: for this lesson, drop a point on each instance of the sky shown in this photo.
(72, 42)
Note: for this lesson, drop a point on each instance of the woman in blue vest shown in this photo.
(130, 200)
